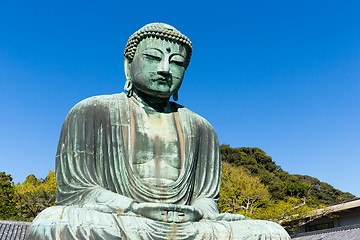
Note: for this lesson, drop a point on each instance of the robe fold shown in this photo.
(97, 181)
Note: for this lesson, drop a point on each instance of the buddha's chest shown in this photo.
(156, 148)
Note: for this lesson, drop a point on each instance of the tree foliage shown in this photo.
(243, 193)
(34, 195)
(7, 201)
(280, 183)
(253, 185)
(25, 200)
(240, 192)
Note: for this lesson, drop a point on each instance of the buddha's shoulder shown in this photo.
(99, 103)
(102, 99)
(192, 116)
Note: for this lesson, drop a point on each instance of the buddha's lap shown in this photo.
(74, 219)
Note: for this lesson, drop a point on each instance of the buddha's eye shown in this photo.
(179, 63)
(178, 60)
(152, 57)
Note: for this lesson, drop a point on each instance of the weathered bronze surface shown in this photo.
(137, 166)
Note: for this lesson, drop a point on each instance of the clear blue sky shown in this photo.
(283, 76)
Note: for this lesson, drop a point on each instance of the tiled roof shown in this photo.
(347, 232)
(353, 203)
(13, 230)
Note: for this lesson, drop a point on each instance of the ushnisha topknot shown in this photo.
(158, 30)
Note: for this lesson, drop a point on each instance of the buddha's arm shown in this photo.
(89, 158)
(208, 207)
(208, 170)
(106, 201)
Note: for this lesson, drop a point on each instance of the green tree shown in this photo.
(34, 195)
(288, 212)
(282, 197)
(240, 192)
(280, 183)
(7, 202)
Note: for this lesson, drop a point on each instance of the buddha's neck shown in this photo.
(155, 103)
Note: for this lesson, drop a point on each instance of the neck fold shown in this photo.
(155, 103)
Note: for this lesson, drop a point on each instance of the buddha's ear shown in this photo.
(176, 96)
(128, 84)
(127, 67)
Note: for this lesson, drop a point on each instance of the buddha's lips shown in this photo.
(161, 80)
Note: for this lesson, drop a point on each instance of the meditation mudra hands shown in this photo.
(167, 212)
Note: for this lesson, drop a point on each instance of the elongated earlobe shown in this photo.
(128, 87)
(176, 96)
(128, 84)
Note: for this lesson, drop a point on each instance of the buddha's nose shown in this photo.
(164, 67)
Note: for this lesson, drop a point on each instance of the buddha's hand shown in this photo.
(167, 212)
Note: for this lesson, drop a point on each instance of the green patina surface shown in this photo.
(138, 166)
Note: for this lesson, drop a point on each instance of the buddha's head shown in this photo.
(156, 57)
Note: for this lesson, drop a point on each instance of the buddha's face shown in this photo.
(158, 67)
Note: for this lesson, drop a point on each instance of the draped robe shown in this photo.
(97, 182)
